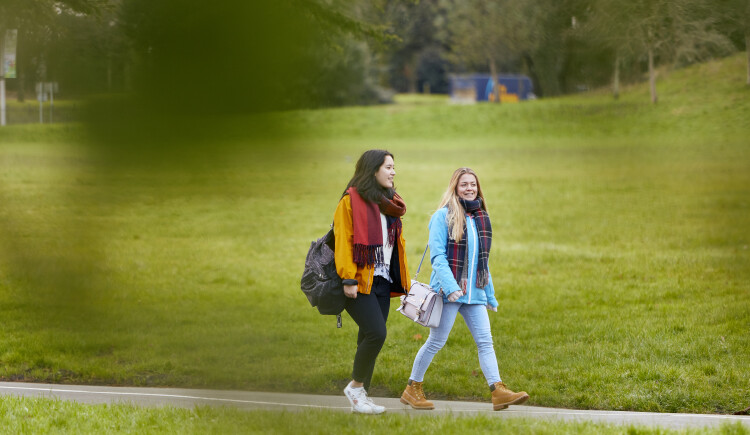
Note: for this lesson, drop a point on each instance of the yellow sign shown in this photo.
(505, 97)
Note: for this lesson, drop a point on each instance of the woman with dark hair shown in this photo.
(371, 261)
(460, 240)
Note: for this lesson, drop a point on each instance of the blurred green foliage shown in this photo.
(200, 62)
(232, 56)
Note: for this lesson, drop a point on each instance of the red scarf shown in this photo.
(368, 232)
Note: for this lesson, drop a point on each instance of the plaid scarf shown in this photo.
(368, 232)
(458, 255)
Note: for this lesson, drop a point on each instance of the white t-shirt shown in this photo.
(383, 270)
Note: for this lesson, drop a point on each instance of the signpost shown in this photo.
(8, 66)
(45, 91)
(2, 101)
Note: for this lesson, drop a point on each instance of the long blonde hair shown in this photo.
(456, 218)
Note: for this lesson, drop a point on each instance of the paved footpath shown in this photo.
(249, 400)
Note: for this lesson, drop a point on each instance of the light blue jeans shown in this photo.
(478, 321)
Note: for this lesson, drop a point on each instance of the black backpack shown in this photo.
(320, 282)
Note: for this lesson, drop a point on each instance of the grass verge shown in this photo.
(25, 415)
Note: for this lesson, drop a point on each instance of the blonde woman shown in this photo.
(460, 240)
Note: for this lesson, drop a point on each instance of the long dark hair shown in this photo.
(364, 176)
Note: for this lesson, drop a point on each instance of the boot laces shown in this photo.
(418, 392)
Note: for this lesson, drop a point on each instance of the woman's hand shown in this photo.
(350, 291)
(491, 308)
(453, 297)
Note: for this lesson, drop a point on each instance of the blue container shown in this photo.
(512, 87)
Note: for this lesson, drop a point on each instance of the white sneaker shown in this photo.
(376, 409)
(361, 404)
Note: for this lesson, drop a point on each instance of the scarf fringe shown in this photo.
(368, 254)
(394, 232)
(483, 278)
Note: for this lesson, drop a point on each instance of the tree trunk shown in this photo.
(616, 78)
(21, 95)
(412, 74)
(652, 75)
(536, 84)
(109, 73)
(495, 80)
(127, 80)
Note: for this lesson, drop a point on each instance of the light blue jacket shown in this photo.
(442, 277)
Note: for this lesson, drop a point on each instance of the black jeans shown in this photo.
(369, 312)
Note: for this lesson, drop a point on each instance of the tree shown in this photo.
(414, 23)
(682, 31)
(40, 26)
(604, 23)
(248, 56)
(553, 55)
(482, 32)
(533, 35)
(735, 19)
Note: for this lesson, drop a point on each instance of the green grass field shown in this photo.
(23, 415)
(621, 256)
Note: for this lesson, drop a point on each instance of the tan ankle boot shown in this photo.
(414, 396)
(502, 397)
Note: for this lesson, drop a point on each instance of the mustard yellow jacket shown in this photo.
(344, 254)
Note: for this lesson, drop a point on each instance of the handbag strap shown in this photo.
(420, 262)
(420, 266)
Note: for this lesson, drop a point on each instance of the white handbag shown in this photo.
(422, 304)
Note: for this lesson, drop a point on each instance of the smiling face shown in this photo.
(467, 187)
(385, 173)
